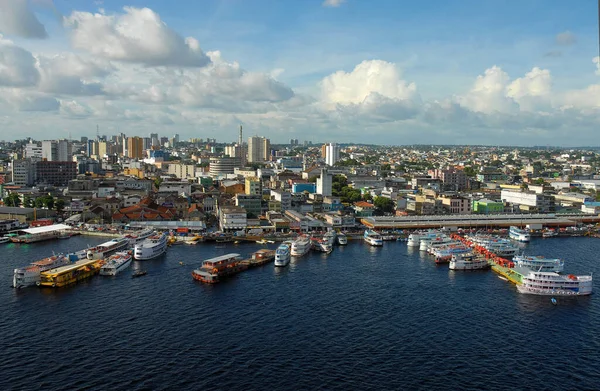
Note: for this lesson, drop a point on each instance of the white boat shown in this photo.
(330, 237)
(499, 246)
(152, 247)
(518, 234)
(116, 263)
(342, 239)
(322, 245)
(107, 249)
(540, 263)
(300, 246)
(426, 243)
(31, 275)
(140, 236)
(549, 234)
(283, 254)
(445, 253)
(414, 239)
(4, 239)
(373, 238)
(468, 261)
(554, 284)
(439, 243)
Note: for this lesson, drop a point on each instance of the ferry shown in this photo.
(414, 239)
(10, 225)
(70, 274)
(373, 238)
(283, 253)
(499, 246)
(150, 248)
(300, 246)
(554, 284)
(437, 238)
(116, 263)
(322, 245)
(106, 249)
(520, 235)
(445, 253)
(440, 243)
(342, 239)
(540, 263)
(140, 236)
(212, 270)
(330, 237)
(468, 261)
(30, 275)
(4, 239)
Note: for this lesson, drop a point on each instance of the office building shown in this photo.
(332, 154)
(135, 147)
(324, 183)
(259, 149)
(220, 166)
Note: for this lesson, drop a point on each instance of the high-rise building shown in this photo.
(154, 139)
(237, 151)
(57, 173)
(324, 150)
(324, 183)
(23, 173)
(332, 154)
(259, 149)
(57, 151)
(135, 147)
(102, 149)
(33, 150)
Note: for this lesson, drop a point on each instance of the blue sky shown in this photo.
(310, 51)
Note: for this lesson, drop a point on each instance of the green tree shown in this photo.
(59, 205)
(157, 181)
(39, 202)
(12, 199)
(384, 204)
(27, 202)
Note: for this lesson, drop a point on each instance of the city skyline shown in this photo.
(335, 71)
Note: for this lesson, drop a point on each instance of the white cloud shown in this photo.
(17, 66)
(333, 3)
(566, 38)
(488, 94)
(138, 36)
(29, 101)
(533, 91)
(72, 75)
(74, 109)
(374, 76)
(17, 19)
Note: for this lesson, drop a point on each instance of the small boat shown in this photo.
(262, 241)
(503, 278)
(4, 239)
(139, 273)
(553, 300)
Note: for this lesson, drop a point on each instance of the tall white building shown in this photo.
(324, 183)
(237, 151)
(259, 149)
(57, 151)
(332, 154)
(33, 150)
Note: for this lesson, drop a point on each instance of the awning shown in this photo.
(47, 228)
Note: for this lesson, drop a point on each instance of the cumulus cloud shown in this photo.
(375, 76)
(566, 38)
(72, 75)
(333, 3)
(488, 94)
(16, 18)
(74, 109)
(137, 36)
(23, 100)
(532, 92)
(17, 66)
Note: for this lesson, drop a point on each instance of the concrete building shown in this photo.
(23, 172)
(529, 201)
(220, 166)
(324, 183)
(250, 202)
(253, 186)
(57, 151)
(57, 173)
(332, 154)
(452, 178)
(182, 171)
(487, 206)
(456, 204)
(135, 147)
(259, 149)
(283, 197)
(33, 151)
(237, 151)
(232, 218)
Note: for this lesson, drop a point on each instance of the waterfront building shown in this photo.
(283, 197)
(232, 218)
(252, 203)
(487, 206)
(529, 201)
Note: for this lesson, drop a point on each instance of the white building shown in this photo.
(23, 172)
(324, 183)
(284, 197)
(259, 149)
(529, 201)
(182, 171)
(33, 151)
(57, 151)
(332, 154)
(232, 218)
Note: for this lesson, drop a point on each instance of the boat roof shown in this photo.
(221, 258)
(47, 228)
(68, 268)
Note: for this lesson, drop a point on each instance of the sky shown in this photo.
(391, 72)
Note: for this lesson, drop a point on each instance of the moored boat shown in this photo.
(150, 248)
(70, 274)
(554, 284)
(342, 239)
(214, 269)
(30, 275)
(321, 245)
(373, 238)
(468, 261)
(283, 254)
(4, 239)
(116, 263)
(330, 237)
(300, 246)
(106, 249)
(518, 234)
(539, 263)
(140, 236)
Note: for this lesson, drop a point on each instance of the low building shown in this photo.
(232, 218)
(487, 206)
(250, 202)
(363, 209)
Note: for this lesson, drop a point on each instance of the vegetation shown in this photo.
(12, 200)
(341, 189)
(384, 204)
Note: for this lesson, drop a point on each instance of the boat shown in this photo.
(549, 234)
(540, 263)
(439, 239)
(554, 284)
(4, 239)
(372, 238)
(414, 239)
(37, 237)
(468, 261)
(518, 234)
(150, 248)
(116, 263)
(107, 249)
(445, 253)
(322, 245)
(139, 273)
(70, 274)
(214, 269)
(553, 301)
(30, 275)
(139, 236)
(342, 239)
(441, 243)
(262, 241)
(283, 254)
(10, 225)
(499, 246)
(330, 237)
(300, 246)
(64, 235)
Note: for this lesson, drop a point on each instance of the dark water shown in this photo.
(360, 318)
